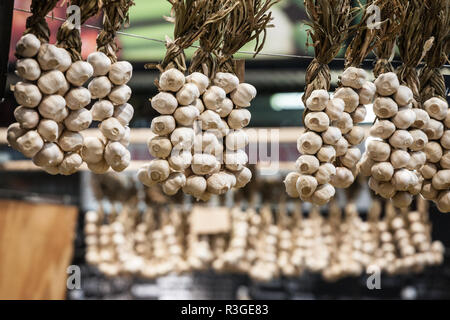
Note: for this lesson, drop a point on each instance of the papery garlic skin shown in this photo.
(78, 120)
(14, 132)
(100, 63)
(243, 95)
(28, 45)
(28, 69)
(92, 150)
(120, 73)
(27, 94)
(49, 156)
(78, 98)
(27, 117)
(79, 72)
(70, 141)
(101, 110)
(117, 156)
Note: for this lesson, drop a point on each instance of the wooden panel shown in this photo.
(36, 247)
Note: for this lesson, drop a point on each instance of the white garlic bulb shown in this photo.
(112, 129)
(30, 143)
(27, 94)
(51, 81)
(387, 84)
(102, 110)
(164, 102)
(120, 94)
(100, 87)
(227, 81)
(100, 63)
(236, 139)
(117, 156)
(353, 77)
(185, 116)
(92, 150)
(350, 97)
(70, 141)
(70, 164)
(172, 80)
(13, 132)
(199, 79)
(120, 72)
(52, 106)
(367, 93)
(78, 98)
(124, 113)
(49, 156)
(27, 117)
(163, 125)
(239, 118)
(78, 120)
(187, 94)
(28, 46)
(50, 57)
(243, 95)
(79, 72)
(182, 138)
(28, 69)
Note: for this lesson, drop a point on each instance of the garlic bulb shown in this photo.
(343, 178)
(387, 84)
(356, 135)
(345, 123)
(78, 120)
(420, 139)
(235, 161)
(401, 139)
(13, 132)
(70, 141)
(78, 98)
(417, 160)
(335, 108)
(214, 97)
(227, 81)
(434, 151)
(199, 79)
(164, 102)
(309, 143)
(28, 69)
(28, 46)
(325, 173)
(378, 150)
(120, 95)
(351, 158)
(428, 170)
(124, 113)
(445, 139)
(242, 177)
(195, 186)
(182, 138)
(239, 118)
(319, 100)
(117, 156)
(341, 147)
(218, 183)
(185, 116)
(102, 110)
(187, 94)
(79, 72)
(63, 89)
(323, 194)
(171, 80)
(174, 183)
(402, 199)
(382, 129)
(203, 164)
(353, 77)
(317, 121)
(100, 87)
(437, 108)
(27, 117)
(70, 164)
(52, 106)
(120, 73)
(382, 171)
(180, 160)
(444, 201)
(198, 103)
(404, 118)
(326, 154)
(243, 95)
(210, 120)
(49, 156)
(359, 115)
(27, 94)
(112, 129)
(434, 130)
(163, 125)
(404, 96)
(225, 107)
(51, 81)
(92, 150)
(400, 158)
(350, 97)
(236, 139)
(306, 185)
(367, 93)
(100, 63)
(291, 184)
(51, 57)
(385, 107)
(208, 143)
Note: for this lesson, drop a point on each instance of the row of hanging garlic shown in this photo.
(403, 150)
(398, 243)
(53, 109)
(436, 171)
(199, 138)
(331, 134)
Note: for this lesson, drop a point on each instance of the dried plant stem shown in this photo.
(115, 15)
(438, 20)
(69, 37)
(36, 23)
(247, 21)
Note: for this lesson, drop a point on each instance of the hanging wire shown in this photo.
(137, 36)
